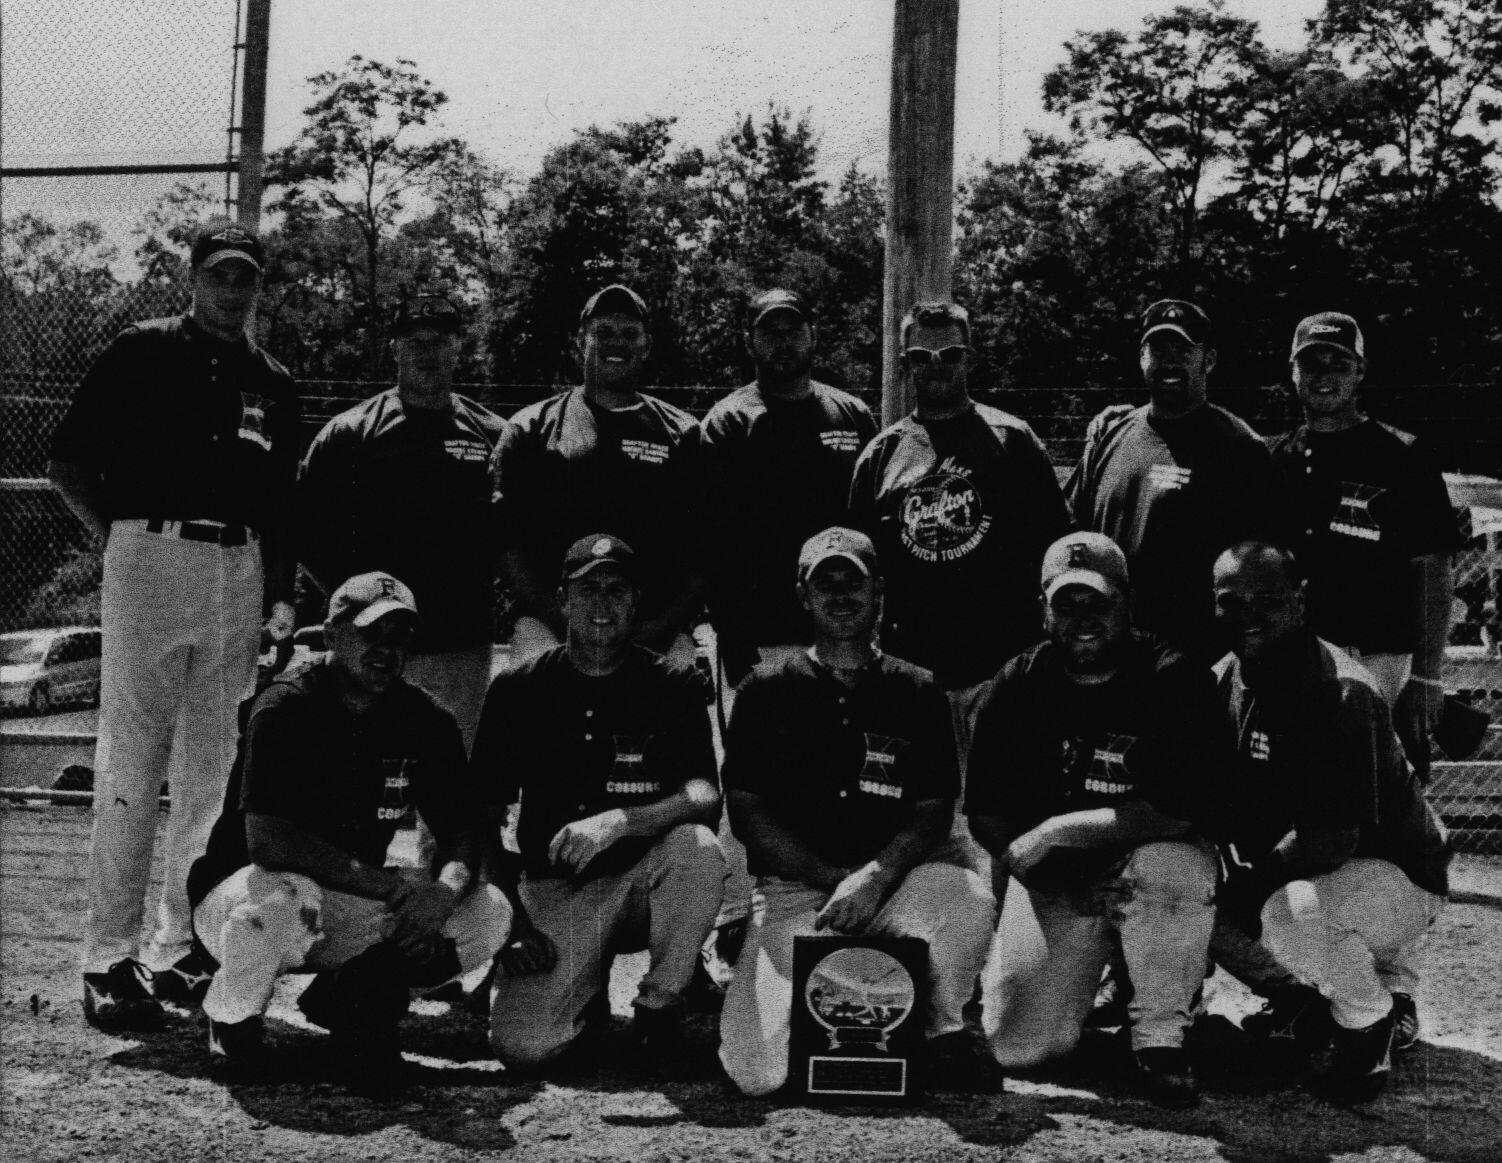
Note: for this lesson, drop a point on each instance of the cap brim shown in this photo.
(377, 610)
(1308, 343)
(596, 563)
(228, 254)
(1089, 578)
(837, 555)
(1174, 327)
(791, 308)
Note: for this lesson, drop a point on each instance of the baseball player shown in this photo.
(607, 748)
(602, 456)
(1175, 481)
(841, 775)
(1336, 867)
(334, 756)
(1374, 527)
(961, 501)
(1091, 780)
(179, 450)
(401, 483)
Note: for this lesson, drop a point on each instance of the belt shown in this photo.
(216, 532)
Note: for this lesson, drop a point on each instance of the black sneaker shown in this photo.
(1405, 1022)
(961, 1061)
(1360, 1063)
(238, 1046)
(120, 998)
(1295, 1020)
(1166, 1076)
(186, 980)
(658, 1035)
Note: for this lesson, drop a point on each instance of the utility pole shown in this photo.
(920, 177)
(253, 112)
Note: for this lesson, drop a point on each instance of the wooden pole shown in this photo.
(920, 177)
(253, 112)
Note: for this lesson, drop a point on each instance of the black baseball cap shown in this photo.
(436, 311)
(594, 550)
(618, 298)
(224, 241)
(1177, 315)
(777, 299)
(1329, 329)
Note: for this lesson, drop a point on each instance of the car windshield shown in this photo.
(21, 651)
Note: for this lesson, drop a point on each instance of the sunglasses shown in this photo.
(947, 356)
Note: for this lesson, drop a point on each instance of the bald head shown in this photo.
(1259, 598)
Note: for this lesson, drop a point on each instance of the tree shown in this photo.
(61, 295)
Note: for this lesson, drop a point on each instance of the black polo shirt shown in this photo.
(960, 511)
(777, 472)
(1367, 501)
(566, 467)
(407, 490)
(572, 745)
(348, 779)
(1316, 752)
(1173, 494)
(839, 767)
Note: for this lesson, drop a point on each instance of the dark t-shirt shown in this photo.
(406, 490)
(776, 472)
(960, 511)
(565, 467)
(571, 745)
(1367, 501)
(1173, 494)
(839, 767)
(1317, 752)
(347, 779)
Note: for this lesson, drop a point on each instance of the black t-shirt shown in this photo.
(347, 779)
(1173, 494)
(406, 490)
(777, 472)
(571, 745)
(839, 767)
(1046, 745)
(1316, 752)
(960, 511)
(565, 467)
(1367, 501)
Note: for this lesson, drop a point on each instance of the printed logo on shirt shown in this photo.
(395, 782)
(1353, 516)
(628, 774)
(878, 775)
(841, 440)
(253, 408)
(1107, 772)
(647, 451)
(470, 451)
(942, 515)
(1169, 476)
(1259, 746)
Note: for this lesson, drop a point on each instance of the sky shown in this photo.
(147, 80)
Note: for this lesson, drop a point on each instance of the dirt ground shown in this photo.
(68, 1092)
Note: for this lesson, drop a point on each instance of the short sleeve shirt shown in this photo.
(348, 779)
(407, 490)
(1317, 753)
(571, 745)
(841, 768)
(777, 472)
(960, 511)
(566, 467)
(1367, 501)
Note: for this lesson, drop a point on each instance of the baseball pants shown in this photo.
(181, 630)
(948, 906)
(259, 924)
(1046, 960)
(666, 903)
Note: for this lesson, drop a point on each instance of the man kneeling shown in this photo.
(333, 756)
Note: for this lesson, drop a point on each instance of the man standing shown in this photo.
(401, 483)
(607, 748)
(841, 774)
(602, 456)
(961, 502)
(1374, 525)
(179, 450)
(1092, 781)
(1336, 862)
(1175, 481)
(334, 756)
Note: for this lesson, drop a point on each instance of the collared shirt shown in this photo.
(841, 768)
(960, 511)
(571, 745)
(407, 490)
(1367, 501)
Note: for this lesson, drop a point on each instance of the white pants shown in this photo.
(532, 636)
(666, 902)
(260, 924)
(1047, 958)
(1355, 934)
(949, 907)
(458, 681)
(181, 623)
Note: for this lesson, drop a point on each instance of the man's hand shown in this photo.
(527, 950)
(855, 901)
(278, 626)
(419, 910)
(578, 843)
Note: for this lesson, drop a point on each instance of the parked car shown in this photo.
(42, 669)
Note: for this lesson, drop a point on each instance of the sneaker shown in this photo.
(961, 1061)
(186, 980)
(120, 998)
(1295, 1020)
(658, 1035)
(1166, 1077)
(1360, 1062)
(238, 1045)
(1405, 1022)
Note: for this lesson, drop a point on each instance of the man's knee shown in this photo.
(1174, 872)
(692, 843)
